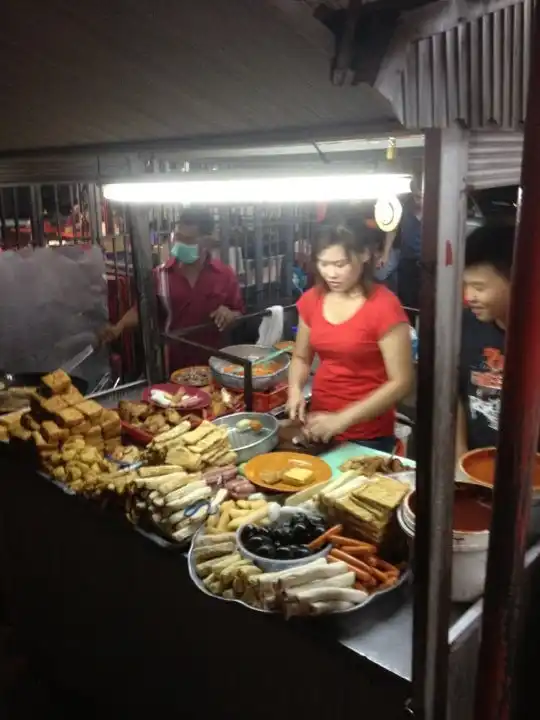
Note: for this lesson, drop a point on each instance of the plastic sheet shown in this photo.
(52, 304)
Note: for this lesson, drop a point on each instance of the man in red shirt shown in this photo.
(192, 288)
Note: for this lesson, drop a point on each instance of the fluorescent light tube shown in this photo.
(293, 189)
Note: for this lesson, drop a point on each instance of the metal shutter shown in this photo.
(494, 159)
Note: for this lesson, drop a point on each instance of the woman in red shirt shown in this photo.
(361, 334)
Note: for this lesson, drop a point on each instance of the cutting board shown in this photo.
(337, 457)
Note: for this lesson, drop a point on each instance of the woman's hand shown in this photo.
(323, 426)
(296, 404)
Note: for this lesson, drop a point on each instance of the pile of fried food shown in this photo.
(372, 465)
(337, 583)
(193, 450)
(13, 399)
(366, 507)
(145, 417)
(223, 402)
(179, 502)
(69, 434)
(181, 399)
(126, 455)
(234, 513)
(196, 376)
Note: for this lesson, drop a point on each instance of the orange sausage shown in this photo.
(390, 582)
(356, 551)
(325, 537)
(374, 572)
(354, 565)
(351, 542)
(378, 575)
(386, 567)
(361, 576)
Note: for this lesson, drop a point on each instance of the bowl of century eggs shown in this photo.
(285, 543)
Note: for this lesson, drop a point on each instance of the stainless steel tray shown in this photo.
(404, 578)
(248, 444)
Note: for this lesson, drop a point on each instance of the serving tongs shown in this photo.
(268, 358)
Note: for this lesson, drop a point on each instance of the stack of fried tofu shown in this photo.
(372, 506)
(206, 446)
(59, 412)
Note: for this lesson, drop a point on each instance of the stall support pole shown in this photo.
(139, 231)
(439, 339)
(519, 427)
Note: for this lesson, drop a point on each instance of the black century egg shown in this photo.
(284, 541)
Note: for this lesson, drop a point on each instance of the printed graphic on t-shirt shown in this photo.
(486, 386)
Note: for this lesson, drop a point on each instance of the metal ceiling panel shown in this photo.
(118, 71)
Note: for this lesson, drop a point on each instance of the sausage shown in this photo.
(364, 577)
(350, 542)
(326, 536)
(377, 574)
(228, 472)
(241, 490)
(386, 567)
(213, 478)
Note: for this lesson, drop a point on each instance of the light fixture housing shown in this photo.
(338, 187)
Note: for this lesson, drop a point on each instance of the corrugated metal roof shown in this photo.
(467, 67)
(119, 70)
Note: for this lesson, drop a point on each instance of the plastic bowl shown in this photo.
(478, 466)
(271, 564)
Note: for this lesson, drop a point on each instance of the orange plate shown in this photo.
(479, 465)
(181, 377)
(278, 462)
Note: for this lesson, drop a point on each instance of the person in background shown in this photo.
(488, 265)
(361, 334)
(192, 288)
(409, 239)
(388, 261)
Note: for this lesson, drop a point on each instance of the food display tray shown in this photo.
(156, 537)
(403, 579)
(161, 540)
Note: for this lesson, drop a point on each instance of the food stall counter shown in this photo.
(98, 604)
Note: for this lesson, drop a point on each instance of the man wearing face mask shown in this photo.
(193, 288)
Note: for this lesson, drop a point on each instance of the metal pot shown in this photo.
(251, 352)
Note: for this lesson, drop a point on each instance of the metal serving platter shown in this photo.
(404, 578)
(156, 536)
(248, 444)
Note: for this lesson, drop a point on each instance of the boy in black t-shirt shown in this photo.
(488, 265)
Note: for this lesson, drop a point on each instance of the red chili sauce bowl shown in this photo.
(473, 507)
(479, 467)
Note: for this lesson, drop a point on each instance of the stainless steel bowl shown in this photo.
(251, 352)
(247, 444)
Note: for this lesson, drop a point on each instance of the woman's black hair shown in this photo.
(491, 245)
(355, 238)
